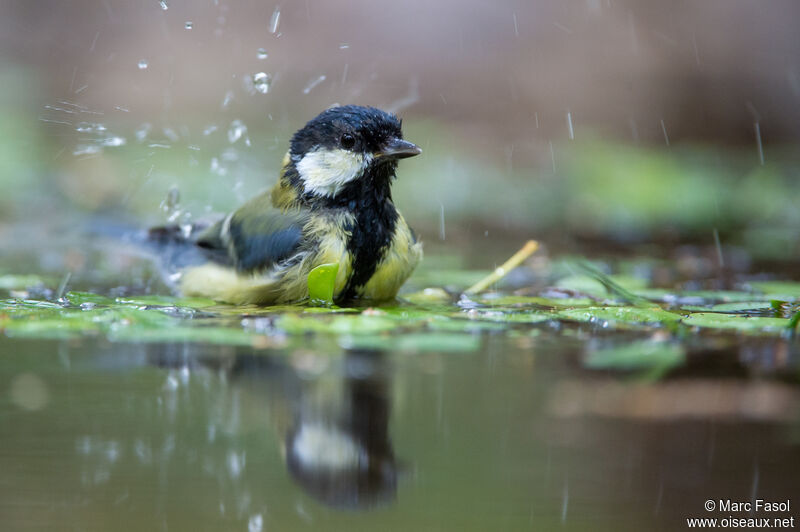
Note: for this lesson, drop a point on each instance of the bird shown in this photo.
(332, 203)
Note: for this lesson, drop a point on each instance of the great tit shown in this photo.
(331, 204)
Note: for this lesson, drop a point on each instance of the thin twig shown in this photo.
(516, 259)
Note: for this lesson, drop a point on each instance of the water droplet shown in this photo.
(90, 127)
(171, 134)
(217, 168)
(344, 46)
(256, 523)
(87, 149)
(314, 83)
(113, 141)
(236, 131)
(262, 53)
(209, 129)
(163, 4)
(261, 82)
(188, 25)
(227, 100)
(275, 20)
(29, 392)
(569, 126)
(143, 64)
(143, 131)
(171, 204)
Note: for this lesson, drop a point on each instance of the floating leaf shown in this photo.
(737, 322)
(786, 290)
(742, 307)
(554, 302)
(322, 282)
(82, 298)
(167, 301)
(634, 315)
(511, 317)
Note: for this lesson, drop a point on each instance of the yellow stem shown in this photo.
(516, 259)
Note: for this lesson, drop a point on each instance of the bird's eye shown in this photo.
(348, 141)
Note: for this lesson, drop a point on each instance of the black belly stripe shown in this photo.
(371, 238)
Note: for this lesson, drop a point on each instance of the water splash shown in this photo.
(90, 127)
(757, 128)
(313, 83)
(163, 4)
(170, 205)
(256, 523)
(261, 82)
(143, 131)
(226, 101)
(569, 126)
(236, 131)
(113, 142)
(275, 20)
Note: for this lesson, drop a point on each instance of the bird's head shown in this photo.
(346, 150)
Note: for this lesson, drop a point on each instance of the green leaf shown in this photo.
(321, 283)
(786, 290)
(166, 301)
(512, 317)
(737, 322)
(81, 298)
(632, 315)
(522, 301)
(743, 306)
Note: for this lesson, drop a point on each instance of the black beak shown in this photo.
(399, 149)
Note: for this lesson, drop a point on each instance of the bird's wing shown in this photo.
(255, 237)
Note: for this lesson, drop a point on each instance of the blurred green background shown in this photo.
(595, 126)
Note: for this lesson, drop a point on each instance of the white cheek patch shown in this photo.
(325, 172)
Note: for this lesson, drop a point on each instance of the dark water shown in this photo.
(516, 436)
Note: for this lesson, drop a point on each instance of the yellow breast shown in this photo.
(396, 266)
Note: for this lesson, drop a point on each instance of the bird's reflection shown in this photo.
(334, 420)
(344, 458)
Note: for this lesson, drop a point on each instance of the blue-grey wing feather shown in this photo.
(255, 239)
